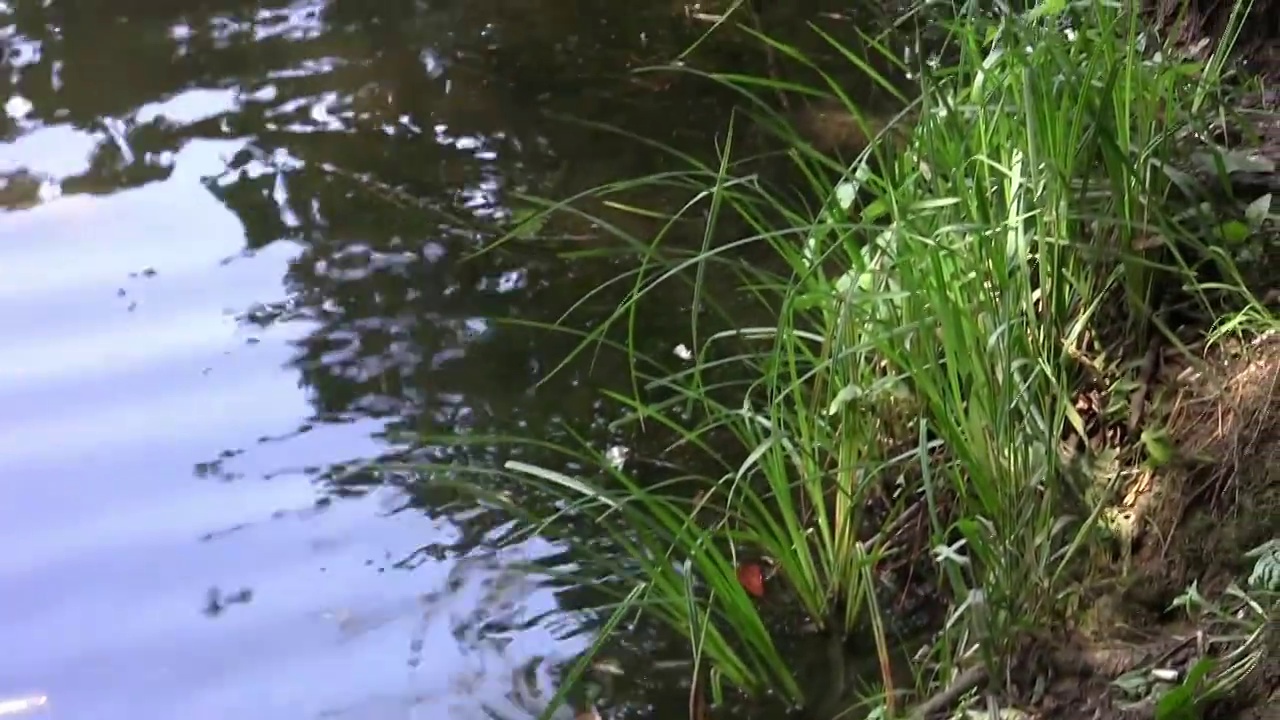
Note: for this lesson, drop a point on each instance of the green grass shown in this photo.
(925, 327)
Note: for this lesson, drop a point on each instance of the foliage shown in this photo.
(1266, 567)
(925, 322)
(1239, 639)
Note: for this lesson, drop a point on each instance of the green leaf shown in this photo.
(1134, 684)
(844, 397)
(1199, 672)
(845, 193)
(1258, 211)
(1159, 449)
(1048, 8)
(1233, 162)
(1177, 704)
(1266, 568)
(1234, 232)
(527, 222)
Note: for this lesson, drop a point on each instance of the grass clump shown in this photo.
(931, 322)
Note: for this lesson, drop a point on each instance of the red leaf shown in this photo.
(752, 578)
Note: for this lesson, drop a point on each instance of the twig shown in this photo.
(946, 697)
(1146, 375)
(897, 526)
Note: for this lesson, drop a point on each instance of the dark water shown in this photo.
(232, 270)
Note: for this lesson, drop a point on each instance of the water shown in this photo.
(231, 271)
(232, 242)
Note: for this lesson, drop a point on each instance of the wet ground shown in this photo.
(231, 273)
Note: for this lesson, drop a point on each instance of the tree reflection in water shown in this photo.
(385, 140)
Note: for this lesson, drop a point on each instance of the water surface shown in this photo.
(233, 270)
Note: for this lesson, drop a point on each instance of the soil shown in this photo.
(1198, 518)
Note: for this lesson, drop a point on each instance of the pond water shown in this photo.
(232, 270)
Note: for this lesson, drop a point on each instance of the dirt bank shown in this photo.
(1196, 519)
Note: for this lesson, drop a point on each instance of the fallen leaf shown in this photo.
(752, 578)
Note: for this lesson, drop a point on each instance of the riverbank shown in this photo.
(1015, 393)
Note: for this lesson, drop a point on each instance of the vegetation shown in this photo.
(1017, 238)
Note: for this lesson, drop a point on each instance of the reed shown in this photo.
(927, 312)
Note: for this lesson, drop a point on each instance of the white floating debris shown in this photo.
(117, 131)
(49, 191)
(608, 666)
(18, 107)
(617, 456)
(683, 352)
(23, 704)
